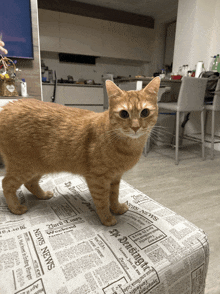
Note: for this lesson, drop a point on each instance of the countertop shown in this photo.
(147, 79)
(73, 85)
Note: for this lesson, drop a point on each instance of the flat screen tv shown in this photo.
(16, 28)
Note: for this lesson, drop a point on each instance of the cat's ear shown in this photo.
(153, 87)
(112, 89)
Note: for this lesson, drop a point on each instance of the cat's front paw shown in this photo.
(110, 221)
(18, 209)
(120, 208)
(48, 195)
(45, 195)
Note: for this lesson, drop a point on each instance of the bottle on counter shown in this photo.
(212, 62)
(162, 74)
(189, 73)
(180, 71)
(183, 70)
(186, 70)
(24, 88)
(215, 63)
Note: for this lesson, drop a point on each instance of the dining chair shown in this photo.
(162, 90)
(104, 79)
(190, 98)
(137, 85)
(215, 106)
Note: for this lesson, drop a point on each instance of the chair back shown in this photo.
(104, 79)
(216, 98)
(192, 93)
(163, 92)
(128, 86)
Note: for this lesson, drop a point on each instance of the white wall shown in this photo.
(170, 41)
(197, 33)
(125, 49)
(157, 58)
(117, 67)
(197, 39)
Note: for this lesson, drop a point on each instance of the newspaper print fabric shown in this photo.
(60, 247)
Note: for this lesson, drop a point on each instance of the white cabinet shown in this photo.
(47, 93)
(80, 35)
(69, 33)
(85, 97)
(49, 30)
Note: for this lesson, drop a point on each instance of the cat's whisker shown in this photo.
(160, 131)
(160, 134)
(113, 136)
(159, 127)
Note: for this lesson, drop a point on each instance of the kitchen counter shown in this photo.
(173, 84)
(73, 85)
(76, 95)
(147, 79)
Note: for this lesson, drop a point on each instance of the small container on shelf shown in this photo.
(24, 88)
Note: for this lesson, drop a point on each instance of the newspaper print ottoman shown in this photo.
(60, 247)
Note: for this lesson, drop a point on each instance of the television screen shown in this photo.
(16, 28)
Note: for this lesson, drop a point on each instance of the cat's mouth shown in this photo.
(136, 135)
(132, 134)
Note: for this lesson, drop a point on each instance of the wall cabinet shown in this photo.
(69, 33)
(49, 30)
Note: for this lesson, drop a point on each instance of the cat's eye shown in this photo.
(124, 114)
(145, 112)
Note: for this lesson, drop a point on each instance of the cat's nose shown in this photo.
(135, 129)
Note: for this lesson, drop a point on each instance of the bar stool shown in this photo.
(191, 98)
(215, 106)
(162, 90)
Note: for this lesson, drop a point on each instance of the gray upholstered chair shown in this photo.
(162, 90)
(191, 98)
(215, 106)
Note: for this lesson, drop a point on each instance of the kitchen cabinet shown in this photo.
(69, 33)
(80, 96)
(76, 36)
(49, 30)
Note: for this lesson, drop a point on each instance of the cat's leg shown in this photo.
(10, 185)
(115, 206)
(99, 188)
(33, 186)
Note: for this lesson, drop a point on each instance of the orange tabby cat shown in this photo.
(38, 138)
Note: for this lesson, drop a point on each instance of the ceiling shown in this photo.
(160, 10)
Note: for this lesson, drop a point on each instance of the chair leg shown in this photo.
(177, 138)
(144, 150)
(203, 135)
(147, 147)
(212, 134)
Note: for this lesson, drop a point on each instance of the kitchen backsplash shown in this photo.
(117, 67)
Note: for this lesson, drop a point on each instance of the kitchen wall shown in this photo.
(124, 49)
(197, 32)
(117, 67)
(170, 41)
(197, 39)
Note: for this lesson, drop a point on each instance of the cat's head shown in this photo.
(133, 113)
